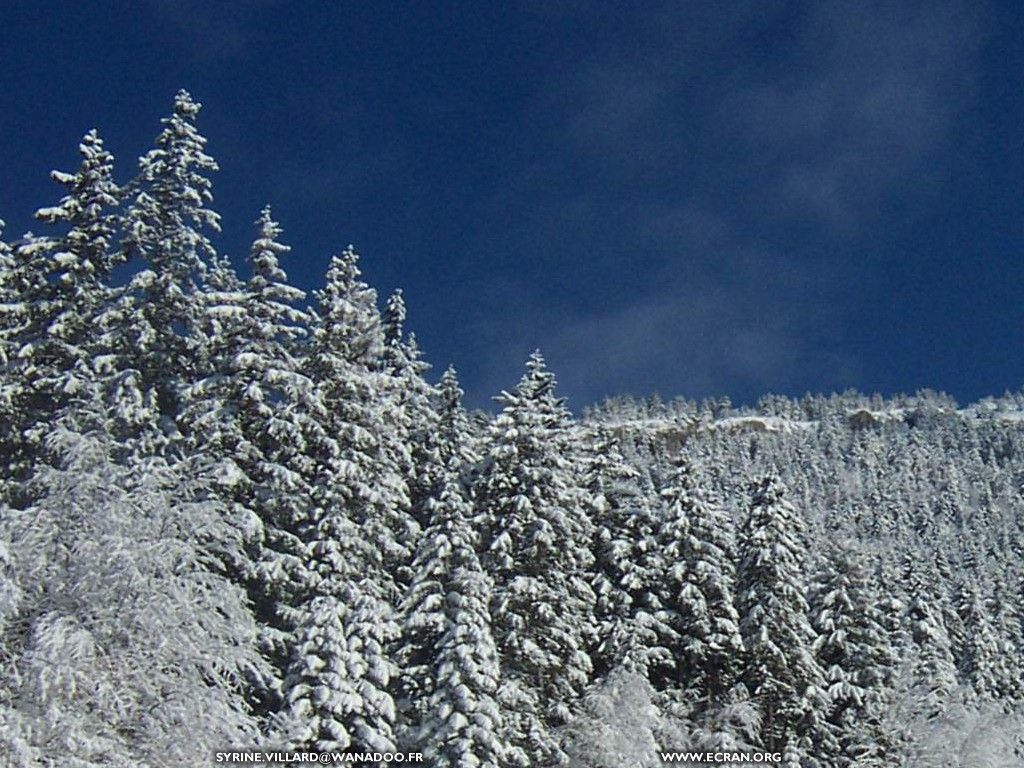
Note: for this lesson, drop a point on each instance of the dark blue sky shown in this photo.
(689, 198)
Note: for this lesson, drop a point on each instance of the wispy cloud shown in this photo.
(870, 91)
(728, 315)
(741, 156)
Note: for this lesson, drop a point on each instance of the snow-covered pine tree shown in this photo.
(338, 691)
(345, 358)
(457, 444)
(11, 441)
(340, 673)
(1006, 619)
(696, 542)
(56, 286)
(88, 212)
(164, 225)
(221, 316)
(453, 457)
(628, 569)
(934, 670)
(986, 666)
(537, 547)
(854, 649)
(780, 670)
(448, 655)
(945, 589)
(79, 261)
(429, 617)
(395, 353)
(30, 303)
(411, 403)
(255, 418)
(8, 292)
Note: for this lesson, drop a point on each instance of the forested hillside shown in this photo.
(233, 515)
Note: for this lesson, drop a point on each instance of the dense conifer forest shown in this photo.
(233, 515)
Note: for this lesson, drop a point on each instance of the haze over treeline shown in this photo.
(232, 514)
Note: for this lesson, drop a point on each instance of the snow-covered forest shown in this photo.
(233, 515)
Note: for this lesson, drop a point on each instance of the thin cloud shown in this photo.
(728, 316)
(707, 139)
(872, 91)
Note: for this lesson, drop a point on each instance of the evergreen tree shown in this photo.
(344, 358)
(11, 441)
(55, 286)
(338, 690)
(457, 449)
(987, 668)
(164, 229)
(79, 261)
(412, 412)
(396, 355)
(854, 650)
(449, 658)
(1006, 618)
(781, 672)
(698, 589)
(934, 669)
(255, 417)
(537, 548)
(629, 568)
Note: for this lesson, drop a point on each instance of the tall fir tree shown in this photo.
(345, 357)
(10, 321)
(56, 286)
(256, 418)
(628, 570)
(934, 669)
(698, 589)
(449, 661)
(355, 535)
(780, 670)
(854, 649)
(987, 667)
(80, 261)
(457, 440)
(412, 411)
(449, 657)
(164, 228)
(537, 539)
